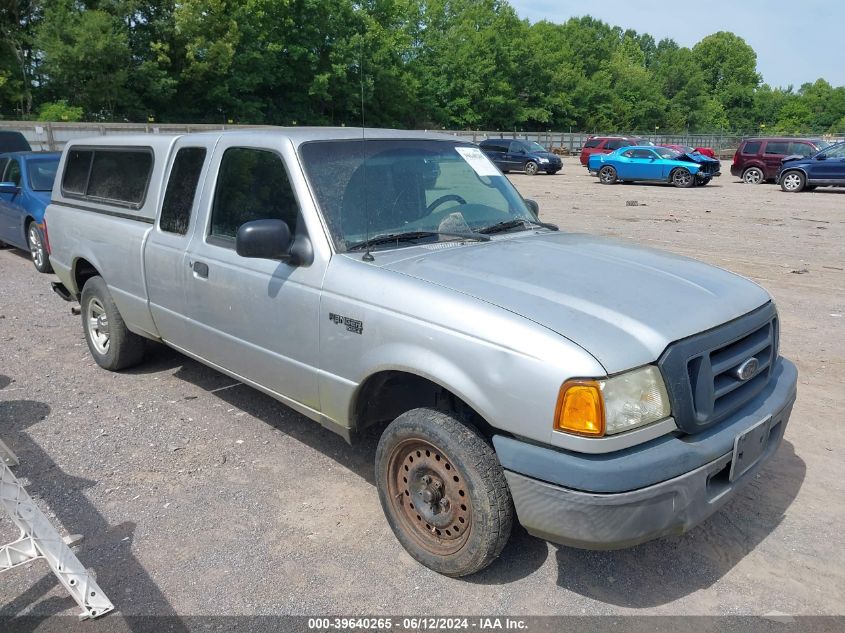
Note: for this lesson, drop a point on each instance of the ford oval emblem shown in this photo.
(747, 369)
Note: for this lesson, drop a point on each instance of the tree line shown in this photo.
(455, 64)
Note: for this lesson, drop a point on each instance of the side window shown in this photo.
(3, 163)
(114, 174)
(644, 153)
(801, 149)
(252, 185)
(752, 148)
(630, 154)
(777, 147)
(593, 142)
(614, 144)
(516, 147)
(13, 172)
(181, 190)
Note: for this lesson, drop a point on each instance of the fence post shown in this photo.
(51, 143)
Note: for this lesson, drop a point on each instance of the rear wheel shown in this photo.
(753, 176)
(607, 175)
(110, 342)
(793, 181)
(531, 168)
(37, 248)
(682, 178)
(443, 492)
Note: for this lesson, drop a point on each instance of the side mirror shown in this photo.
(264, 239)
(534, 207)
(821, 157)
(9, 187)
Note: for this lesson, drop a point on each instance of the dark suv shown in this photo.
(520, 155)
(12, 141)
(758, 159)
(825, 169)
(607, 144)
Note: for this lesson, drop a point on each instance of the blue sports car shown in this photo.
(657, 164)
(26, 180)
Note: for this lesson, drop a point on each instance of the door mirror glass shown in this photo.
(8, 187)
(264, 239)
(534, 207)
(821, 157)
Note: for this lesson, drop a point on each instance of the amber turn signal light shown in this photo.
(580, 408)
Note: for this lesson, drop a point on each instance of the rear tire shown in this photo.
(793, 181)
(753, 176)
(443, 492)
(607, 175)
(110, 342)
(37, 249)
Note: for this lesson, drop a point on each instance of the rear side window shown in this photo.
(615, 144)
(120, 176)
(3, 163)
(751, 148)
(777, 147)
(13, 172)
(593, 142)
(252, 185)
(182, 190)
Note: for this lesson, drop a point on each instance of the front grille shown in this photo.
(701, 371)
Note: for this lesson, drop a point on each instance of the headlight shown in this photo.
(544, 160)
(604, 407)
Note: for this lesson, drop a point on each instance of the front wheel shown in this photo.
(682, 178)
(443, 492)
(37, 249)
(110, 342)
(607, 175)
(793, 181)
(531, 168)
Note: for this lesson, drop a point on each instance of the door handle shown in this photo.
(200, 269)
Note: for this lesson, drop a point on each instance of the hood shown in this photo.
(697, 158)
(548, 155)
(622, 303)
(792, 158)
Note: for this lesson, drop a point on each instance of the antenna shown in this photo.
(368, 256)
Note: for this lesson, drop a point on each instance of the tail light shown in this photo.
(46, 237)
(736, 157)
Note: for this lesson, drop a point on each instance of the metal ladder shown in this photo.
(39, 539)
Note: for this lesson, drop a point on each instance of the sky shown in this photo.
(796, 41)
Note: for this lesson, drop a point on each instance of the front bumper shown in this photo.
(601, 520)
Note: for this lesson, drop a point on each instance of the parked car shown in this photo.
(607, 144)
(611, 393)
(824, 169)
(12, 141)
(656, 164)
(758, 159)
(520, 155)
(26, 180)
(686, 149)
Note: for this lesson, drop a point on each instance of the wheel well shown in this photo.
(82, 272)
(388, 394)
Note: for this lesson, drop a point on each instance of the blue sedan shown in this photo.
(656, 164)
(26, 180)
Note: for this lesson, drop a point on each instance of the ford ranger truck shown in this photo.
(602, 393)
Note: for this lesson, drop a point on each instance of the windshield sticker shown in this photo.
(478, 161)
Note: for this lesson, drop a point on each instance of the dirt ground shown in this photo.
(197, 495)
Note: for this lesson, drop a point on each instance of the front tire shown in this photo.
(37, 248)
(110, 342)
(793, 181)
(607, 175)
(531, 168)
(682, 178)
(753, 176)
(443, 492)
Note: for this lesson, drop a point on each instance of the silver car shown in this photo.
(609, 394)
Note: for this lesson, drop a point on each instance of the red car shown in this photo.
(607, 144)
(685, 149)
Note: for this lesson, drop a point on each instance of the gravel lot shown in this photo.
(200, 496)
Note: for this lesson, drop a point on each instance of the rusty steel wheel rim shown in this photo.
(429, 497)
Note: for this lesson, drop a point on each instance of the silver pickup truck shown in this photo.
(609, 394)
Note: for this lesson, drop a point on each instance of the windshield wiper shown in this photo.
(507, 225)
(414, 235)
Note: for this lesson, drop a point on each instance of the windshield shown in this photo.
(42, 173)
(535, 147)
(834, 151)
(371, 188)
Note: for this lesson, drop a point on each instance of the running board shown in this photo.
(59, 288)
(39, 539)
